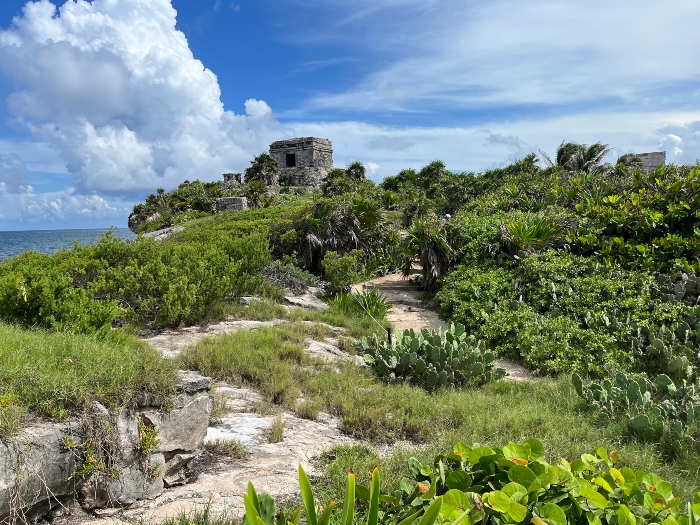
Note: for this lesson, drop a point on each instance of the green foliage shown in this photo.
(264, 169)
(55, 375)
(428, 240)
(86, 289)
(341, 271)
(650, 223)
(373, 302)
(431, 359)
(513, 484)
(190, 200)
(659, 411)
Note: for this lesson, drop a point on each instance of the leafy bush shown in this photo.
(478, 484)
(659, 412)
(341, 271)
(430, 359)
(85, 289)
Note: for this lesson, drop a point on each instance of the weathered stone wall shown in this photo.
(300, 176)
(653, 160)
(231, 203)
(235, 178)
(38, 468)
(313, 157)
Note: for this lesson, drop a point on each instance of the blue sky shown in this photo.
(102, 102)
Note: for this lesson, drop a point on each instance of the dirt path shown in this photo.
(410, 310)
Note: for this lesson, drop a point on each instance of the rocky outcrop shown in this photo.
(109, 460)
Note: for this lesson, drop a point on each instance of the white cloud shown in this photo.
(372, 168)
(114, 87)
(453, 54)
(13, 175)
(60, 209)
(474, 148)
(682, 143)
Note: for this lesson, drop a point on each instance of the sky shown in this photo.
(103, 102)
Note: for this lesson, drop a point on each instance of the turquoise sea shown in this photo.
(50, 241)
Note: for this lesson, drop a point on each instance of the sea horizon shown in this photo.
(15, 242)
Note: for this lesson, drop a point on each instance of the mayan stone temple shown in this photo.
(303, 161)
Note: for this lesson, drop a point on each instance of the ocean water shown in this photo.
(50, 241)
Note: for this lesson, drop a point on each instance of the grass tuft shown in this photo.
(275, 433)
(55, 374)
(229, 448)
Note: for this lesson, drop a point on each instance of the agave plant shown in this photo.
(531, 234)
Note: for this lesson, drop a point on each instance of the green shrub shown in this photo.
(341, 271)
(478, 484)
(430, 359)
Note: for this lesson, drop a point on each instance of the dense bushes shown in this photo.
(513, 484)
(146, 283)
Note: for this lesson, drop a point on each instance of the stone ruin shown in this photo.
(653, 160)
(233, 178)
(303, 161)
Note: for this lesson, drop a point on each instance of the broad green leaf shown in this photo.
(517, 512)
(604, 484)
(478, 453)
(515, 491)
(552, 514)
(497, 500)
(536, 448)
(625, 516)
(521, 474)
(593, 519)
(593, 496)
(513, 451)
(458, 479)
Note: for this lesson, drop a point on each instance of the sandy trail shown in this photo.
(411, 310)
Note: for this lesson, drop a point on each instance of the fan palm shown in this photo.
(427, 240)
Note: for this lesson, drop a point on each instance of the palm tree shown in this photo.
(264, 168)
(427, 240)
(575, 158)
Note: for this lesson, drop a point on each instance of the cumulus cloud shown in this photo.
(372, 168)
(682, 143)
(62, 209)
(13, 175)
(115, 88)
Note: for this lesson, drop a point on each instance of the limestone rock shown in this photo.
(184, 427)
(192, 382)
(35, 468)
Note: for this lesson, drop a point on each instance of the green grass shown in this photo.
(272, 360)
(356, 324)
(229, 448)
(275, 433)
(54, 374)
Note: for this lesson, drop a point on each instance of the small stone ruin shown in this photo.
(653, 160)
(303, 161)
(231, 203)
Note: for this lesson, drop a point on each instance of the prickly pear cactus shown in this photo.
(661, 412)
(431, 359)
